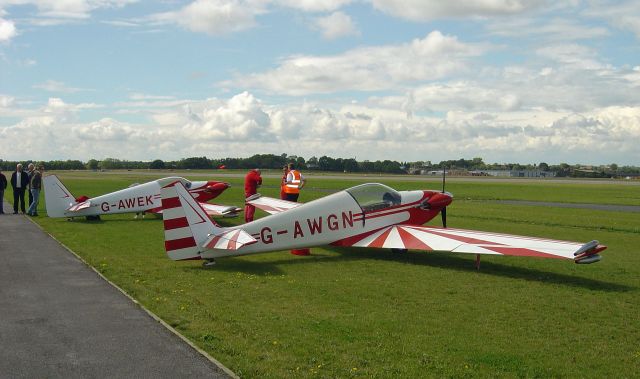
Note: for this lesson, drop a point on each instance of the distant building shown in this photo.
(518, 173)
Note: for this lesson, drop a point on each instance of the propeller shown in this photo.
(443, 212)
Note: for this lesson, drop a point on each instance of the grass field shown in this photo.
(372, 314)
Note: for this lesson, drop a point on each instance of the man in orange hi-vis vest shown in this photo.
(294, 182)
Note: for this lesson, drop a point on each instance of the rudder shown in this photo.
(56, 196)
(186, 224)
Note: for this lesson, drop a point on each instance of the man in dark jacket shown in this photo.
(19, 182)
(3, 186)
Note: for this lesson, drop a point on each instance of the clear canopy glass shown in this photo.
(374, 196)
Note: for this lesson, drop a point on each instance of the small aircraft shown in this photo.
(367, 215)
(136, 198)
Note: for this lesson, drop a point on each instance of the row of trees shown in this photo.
(325, 163)
(561, 170)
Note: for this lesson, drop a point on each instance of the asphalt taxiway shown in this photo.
(60, 319)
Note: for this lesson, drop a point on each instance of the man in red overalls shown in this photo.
(283, 183)
(252, 181)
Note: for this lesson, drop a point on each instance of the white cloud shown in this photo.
(368, 68)
(69, 9)
(7, 30)
(555, 29)
(143, 96)
(314, 5)
(424, 10)
(336, 25)
(243, 125)
(108, 130)
(621, 15)
(213, 17)
(6, 101)
(56, 86)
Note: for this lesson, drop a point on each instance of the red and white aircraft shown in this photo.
(368, 215)
(137, 198)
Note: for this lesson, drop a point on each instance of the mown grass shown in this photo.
(370, 313)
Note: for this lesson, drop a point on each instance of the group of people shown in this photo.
(291, 184)
(21, 182)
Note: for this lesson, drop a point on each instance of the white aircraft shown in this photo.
(137, 198)
(368, 215)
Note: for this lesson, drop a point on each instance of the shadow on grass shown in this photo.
(107, 220)
(439, 260)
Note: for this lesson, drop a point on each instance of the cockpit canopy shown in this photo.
(374, 196)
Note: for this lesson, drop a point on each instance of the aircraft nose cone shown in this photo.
(217, 186)
(440, 200)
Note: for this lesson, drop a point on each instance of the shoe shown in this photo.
(15, 213)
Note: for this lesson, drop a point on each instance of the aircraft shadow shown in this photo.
(439, 260)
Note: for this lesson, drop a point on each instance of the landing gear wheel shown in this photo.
(399, 251)
(209, 263)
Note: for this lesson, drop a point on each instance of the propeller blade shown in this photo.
(443, 213)
(444, 174)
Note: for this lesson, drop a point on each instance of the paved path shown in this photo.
(59, 319)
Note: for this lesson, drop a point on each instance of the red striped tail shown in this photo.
(186, 224)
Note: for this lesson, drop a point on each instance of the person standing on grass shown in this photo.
(252, 181)
(36, 186)
(283, 183)
(19, 182)
(295, 181)
(30, 169)
(3, 186)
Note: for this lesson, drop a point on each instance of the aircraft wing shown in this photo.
(231, 240)
(476, 242)
(211, 210)
(220, 210)
(79, 206)
(271, 205)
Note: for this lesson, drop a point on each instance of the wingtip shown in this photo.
(588, 253)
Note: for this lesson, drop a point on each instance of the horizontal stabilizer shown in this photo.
(220, 210)
(79, 206)
(271, 205)
(231, 240)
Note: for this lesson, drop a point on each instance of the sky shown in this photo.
(523, 81)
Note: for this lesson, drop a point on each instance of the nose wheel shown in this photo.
(209, 263)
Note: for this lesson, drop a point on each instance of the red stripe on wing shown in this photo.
(412, 242)
(520, 251)
(500, 248)
(379, 241)
(234, 240)
(474, 241)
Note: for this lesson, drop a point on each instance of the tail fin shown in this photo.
(57, 197)
(186, 224)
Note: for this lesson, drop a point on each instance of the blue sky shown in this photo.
(507, 80)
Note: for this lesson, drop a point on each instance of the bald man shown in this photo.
(19, 183)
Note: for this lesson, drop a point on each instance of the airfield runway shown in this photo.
(59, 319)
